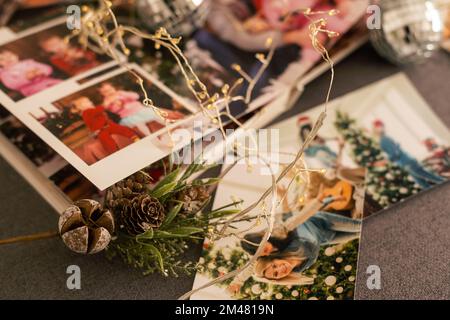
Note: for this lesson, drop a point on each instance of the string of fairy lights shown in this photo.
(101, 32)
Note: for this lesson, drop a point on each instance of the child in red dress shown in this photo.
(98, 122)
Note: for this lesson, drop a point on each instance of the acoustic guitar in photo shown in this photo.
(342, 191)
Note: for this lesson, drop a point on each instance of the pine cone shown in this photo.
(86, 227)
(141, 214)
(193, 198)
(127, 189)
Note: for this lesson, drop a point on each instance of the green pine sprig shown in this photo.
(160, 250)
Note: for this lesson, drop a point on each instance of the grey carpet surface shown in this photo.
(409, 242)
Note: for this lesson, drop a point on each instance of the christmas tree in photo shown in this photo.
(386, 182)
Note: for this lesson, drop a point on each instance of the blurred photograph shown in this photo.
(41, 60)
(237, 30)
(225, 150)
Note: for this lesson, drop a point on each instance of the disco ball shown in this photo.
(179, 17)
(411, 30)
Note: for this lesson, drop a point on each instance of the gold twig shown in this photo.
(27, 238)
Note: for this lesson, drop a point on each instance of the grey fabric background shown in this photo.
(410, 242)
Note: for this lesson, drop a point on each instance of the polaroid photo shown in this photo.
(60, 92)
(28, 82)
(33, 163)
(102, 124)
(379, 146)
(39, 60)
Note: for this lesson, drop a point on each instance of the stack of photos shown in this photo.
(85, 107)
(379, 146)
(237, 29)
(34, 158)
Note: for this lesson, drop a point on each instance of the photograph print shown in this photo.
(41, 60)
(237, 29)
(108, 116)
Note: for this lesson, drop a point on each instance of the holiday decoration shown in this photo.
(86, 227)
(154, 229)
(410, 30)
(193, 198)
(141, 214)
(122, 192)
(179, 17)
(101, 32)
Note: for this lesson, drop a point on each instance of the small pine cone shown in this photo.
(141, 178)
(85, 227)
(193, 198)
(141, 214)
(127, 189)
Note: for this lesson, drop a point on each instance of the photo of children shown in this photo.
(104, 118)
(67, 57)
(445, 12)
(379, 146)
(24, 77)
(42, 60)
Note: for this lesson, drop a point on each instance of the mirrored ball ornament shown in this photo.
(179, 17)
(409, 30)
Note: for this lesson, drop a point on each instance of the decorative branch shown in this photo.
(28, 238)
